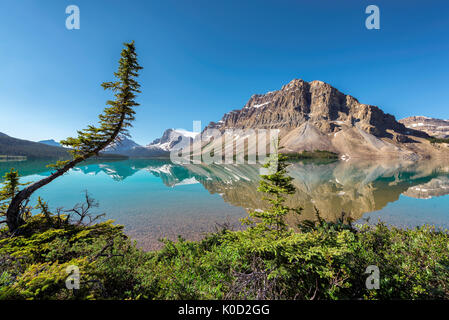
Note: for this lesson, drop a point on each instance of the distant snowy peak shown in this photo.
(122, 145)
(173, 138)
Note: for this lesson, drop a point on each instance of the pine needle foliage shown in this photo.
(118, 116)
(276, 185)
(9, 189)
(113, 124)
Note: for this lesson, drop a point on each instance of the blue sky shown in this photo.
(203, 58)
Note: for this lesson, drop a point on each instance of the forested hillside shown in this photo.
(10, 146)
(16, 147)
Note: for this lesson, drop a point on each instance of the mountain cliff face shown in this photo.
(314, 102)
(433, 127)
(315, 116)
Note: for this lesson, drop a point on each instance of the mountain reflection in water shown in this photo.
(355, 188)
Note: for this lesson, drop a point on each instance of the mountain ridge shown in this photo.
(434, 127)
(10, 146)
(316, 116)
(51, 142)
(159, 148)
(310, 116)
(18, 147)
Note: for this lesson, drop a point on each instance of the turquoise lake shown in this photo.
(154, 199)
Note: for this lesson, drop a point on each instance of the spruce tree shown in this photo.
(8, 191)
(276, 184)
(113, 123)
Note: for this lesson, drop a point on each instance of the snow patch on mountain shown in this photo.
(173, 139)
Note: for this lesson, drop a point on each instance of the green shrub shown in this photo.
(326, 261)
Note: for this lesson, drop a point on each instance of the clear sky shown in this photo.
(203, 58)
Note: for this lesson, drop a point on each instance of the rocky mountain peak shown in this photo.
(293, 84)
(316, 116)
(121, 146)
(171, 138)
(316, 102)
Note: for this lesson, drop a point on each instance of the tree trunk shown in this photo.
(13, 214)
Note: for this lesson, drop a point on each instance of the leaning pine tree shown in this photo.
(113, 124)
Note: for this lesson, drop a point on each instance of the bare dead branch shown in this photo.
(82, 211)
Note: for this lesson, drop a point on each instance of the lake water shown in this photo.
(155, 199)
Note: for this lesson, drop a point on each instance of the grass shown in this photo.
(438, 140)
(316, 154)
(304, 155)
